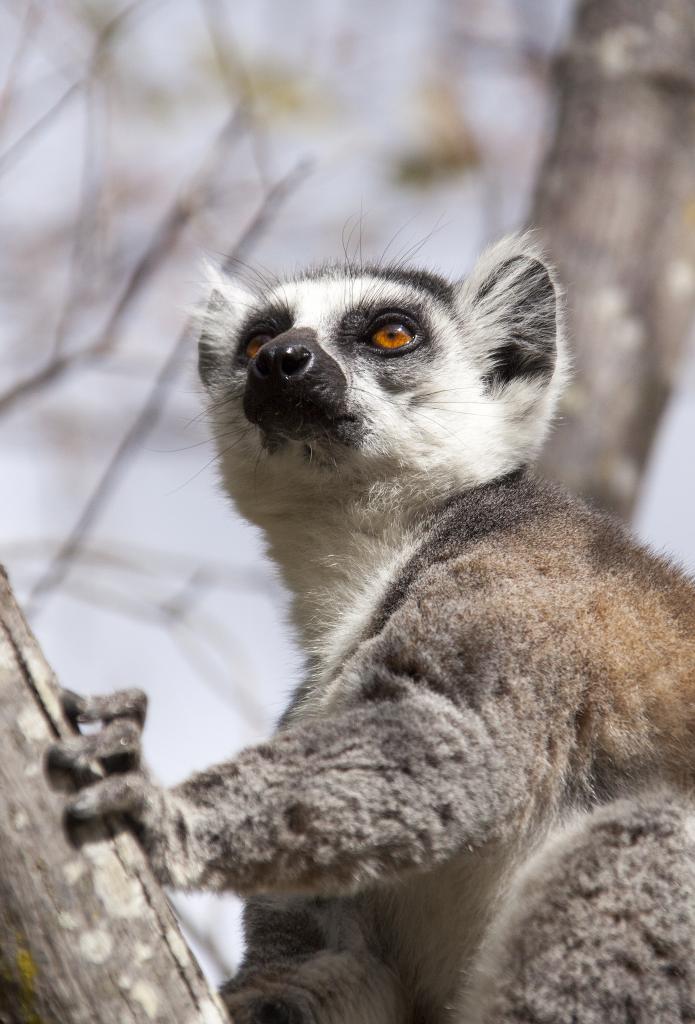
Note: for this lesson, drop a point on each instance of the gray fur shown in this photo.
(600, 925)
(490, 660)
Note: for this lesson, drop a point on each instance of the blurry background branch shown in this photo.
(151, 408)
(192, 199)
(104, 38)
(615, 204)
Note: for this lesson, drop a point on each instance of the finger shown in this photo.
(117, 747)
(120, 793)
(130, 704)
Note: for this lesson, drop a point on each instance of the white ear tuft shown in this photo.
(511, 312)
(218, 318)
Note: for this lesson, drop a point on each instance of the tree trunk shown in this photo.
(615, 205)
(85, 935)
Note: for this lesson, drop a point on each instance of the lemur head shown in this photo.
(343, 380)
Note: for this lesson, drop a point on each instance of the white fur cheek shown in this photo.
(238, 444)
(447, 431)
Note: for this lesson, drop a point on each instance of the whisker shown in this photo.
(415, 398)
(214, 406)
(440, 426)
(411, 252)
(401, 229)
(189, 447)
(255, 469)
(210, 462)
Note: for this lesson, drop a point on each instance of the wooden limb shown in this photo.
(85, 934)
(615, 205)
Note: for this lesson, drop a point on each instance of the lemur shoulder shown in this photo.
(489, 659)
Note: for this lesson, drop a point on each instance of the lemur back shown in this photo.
(492, 667)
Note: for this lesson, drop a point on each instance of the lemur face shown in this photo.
(384, 369)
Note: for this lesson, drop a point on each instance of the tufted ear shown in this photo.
(510, 312)
(209, 348)
(218, 319)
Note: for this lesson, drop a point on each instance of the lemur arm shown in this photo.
(432, 750)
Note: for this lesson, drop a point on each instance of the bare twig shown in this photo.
(144, 561)
(165, 236)
(29, 21)
(235, 78)
(202, 642)
(149, 412)
(35, 130)
(15, 150)
(189, 594)
(90, 188)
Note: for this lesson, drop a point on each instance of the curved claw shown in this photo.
(72, 705)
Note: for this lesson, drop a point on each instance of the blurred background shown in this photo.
(138, 138)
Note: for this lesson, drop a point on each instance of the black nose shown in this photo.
(295, 389)
(282, 360)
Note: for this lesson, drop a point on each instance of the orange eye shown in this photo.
(391, 336)
(255, 344)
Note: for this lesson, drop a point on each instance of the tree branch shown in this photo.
(85, 935)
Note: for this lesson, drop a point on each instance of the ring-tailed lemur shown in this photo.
(489, 659)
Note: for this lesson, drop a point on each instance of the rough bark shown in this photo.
(615, 205)
(85, 934)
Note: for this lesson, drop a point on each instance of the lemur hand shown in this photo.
(106, 765)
